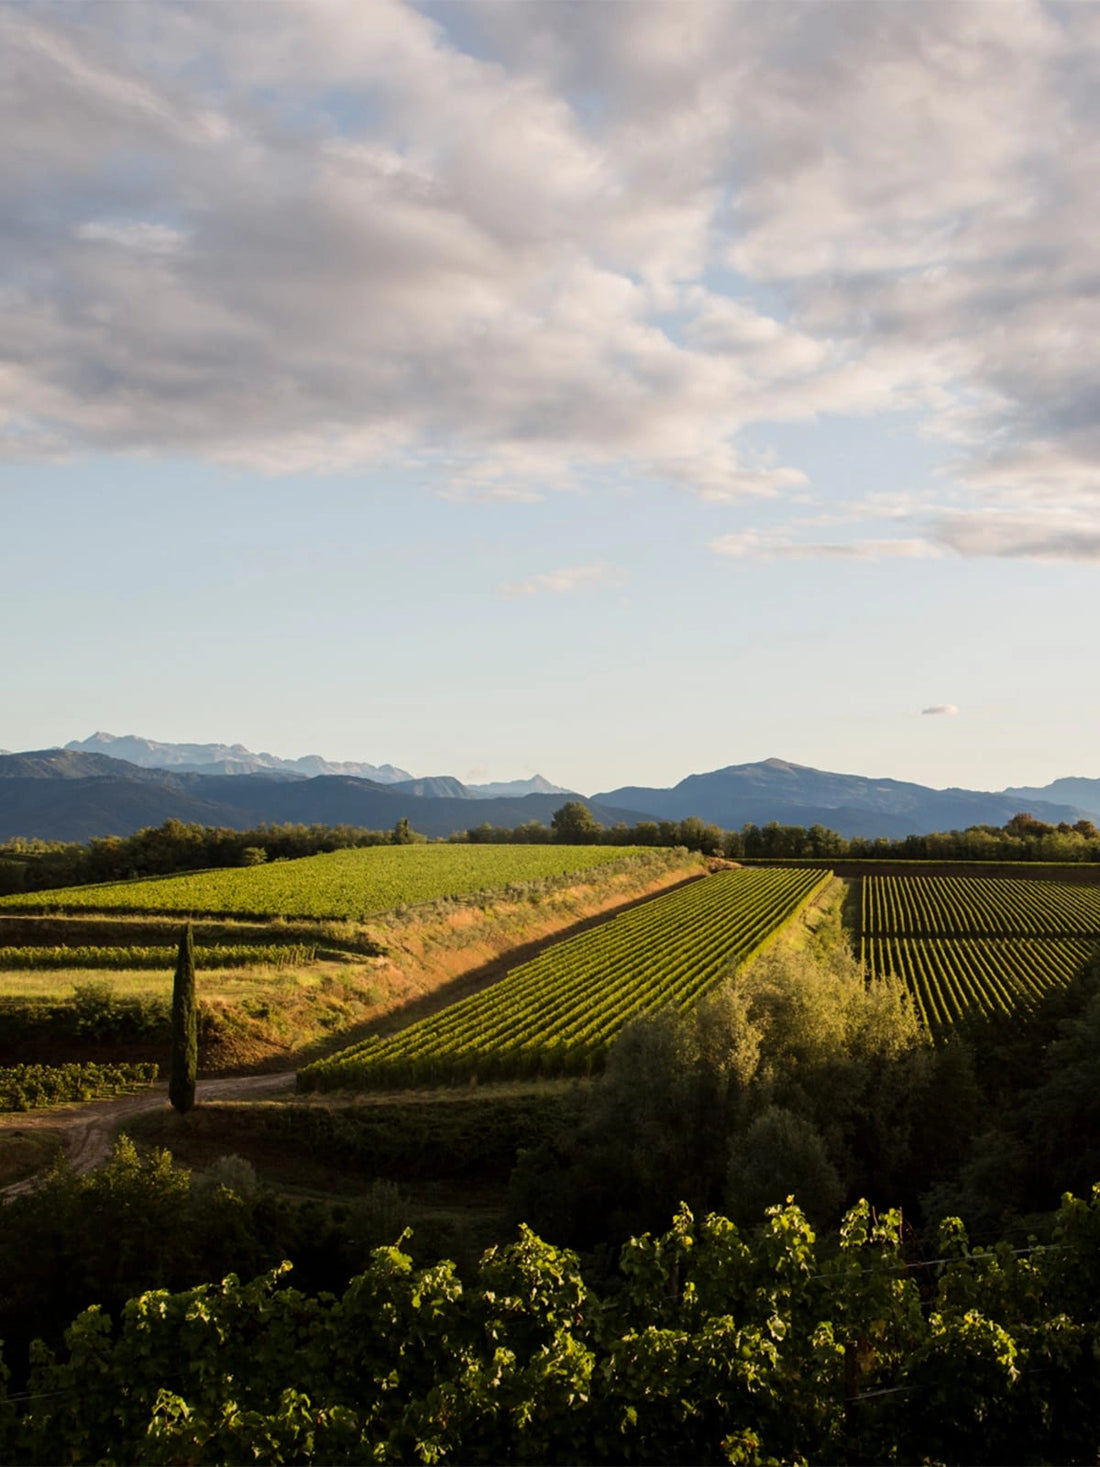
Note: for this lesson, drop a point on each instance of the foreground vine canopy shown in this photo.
(718, 1348)
(559, 1013)
(339, 885)
(977, 946)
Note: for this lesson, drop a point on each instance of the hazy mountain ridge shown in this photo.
(852, 804)
(64, 764)
(66, 794)
(1082, 793)
(506, 789)
(61, 794)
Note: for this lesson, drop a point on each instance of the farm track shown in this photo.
(89, 1129)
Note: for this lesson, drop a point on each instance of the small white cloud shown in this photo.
(751, 544)
(938, 709)
(569, 578)
(154, 239)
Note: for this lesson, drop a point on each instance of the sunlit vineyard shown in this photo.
(339, 885)
(559, 1013)
(974, 946)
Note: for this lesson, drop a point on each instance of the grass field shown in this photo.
(350, 885)
(228, 985)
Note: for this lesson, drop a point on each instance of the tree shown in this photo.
(185, 1028)
(402, 832)
(575, 825)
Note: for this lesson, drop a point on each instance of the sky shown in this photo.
(612, 390)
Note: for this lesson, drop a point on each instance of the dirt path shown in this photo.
(89, 1129)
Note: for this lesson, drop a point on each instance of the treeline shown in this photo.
(35, 865)
(1023, 839)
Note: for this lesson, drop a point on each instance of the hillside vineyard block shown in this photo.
(559, 1013)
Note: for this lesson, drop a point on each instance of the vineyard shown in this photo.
(120, 958)
(349, 885)
(971, 946)
(23, 1087)
(558, 1014)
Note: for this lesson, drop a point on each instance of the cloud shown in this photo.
(1055, 536)
(131, 234)
(609, 240)
(570, 578)
(938, 709)
(751, 544)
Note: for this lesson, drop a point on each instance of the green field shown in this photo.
(347, 885)
(559, 1013)
(228, 985)
(971, 947)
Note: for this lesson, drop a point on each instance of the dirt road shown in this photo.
(89, 1129)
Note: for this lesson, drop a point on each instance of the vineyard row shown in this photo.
(976, 947)
(559, 1013)
(24, 1087)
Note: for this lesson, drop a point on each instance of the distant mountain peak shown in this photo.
(517, 788)
(224, 759)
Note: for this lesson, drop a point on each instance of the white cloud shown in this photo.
(293, 239)
(1059, 534)
(1053, 536)
(938, 709)
(569, 578)
(132, 234)
(752, 544)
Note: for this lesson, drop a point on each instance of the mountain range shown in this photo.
(82, 791)
(222, 759)
(853, 805)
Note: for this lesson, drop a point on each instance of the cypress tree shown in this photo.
(185, 1028)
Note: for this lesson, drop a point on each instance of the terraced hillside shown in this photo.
(558, 1014)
